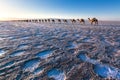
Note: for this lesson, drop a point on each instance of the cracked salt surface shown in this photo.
(15, 36)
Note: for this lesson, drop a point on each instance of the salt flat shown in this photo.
(59, 51)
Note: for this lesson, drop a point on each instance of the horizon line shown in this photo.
(10, 19)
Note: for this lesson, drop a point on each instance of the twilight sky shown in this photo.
(102, 9)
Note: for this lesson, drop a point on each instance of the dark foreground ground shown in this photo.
(34, 51)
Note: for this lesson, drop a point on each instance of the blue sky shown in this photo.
(102, 9)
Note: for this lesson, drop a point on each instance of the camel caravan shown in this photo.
(93, 21)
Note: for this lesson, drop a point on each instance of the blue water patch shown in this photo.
(71, 45)
(38, 45)
(44, 54)
(76, 35)
(71, 51)
(18, 77)
(56, 74)
(82, 57)
(7, 64)
(101, 70)
(65, 34)
(118, 75)
(38, 70)
(86, 39)
(38, 35)
(18, 53)
(2, 71)
(31, 65)
(106, 71)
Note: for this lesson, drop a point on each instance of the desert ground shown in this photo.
(59, 51)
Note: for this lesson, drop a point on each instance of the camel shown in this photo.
(36, 20)
(59, 20)
(82, 21)
(39, 20)
(53, 20)
(42, 20)
(65, 21)
(93, 20)
(48, 20)
(73, 20)
(33, 20)
(45, 20)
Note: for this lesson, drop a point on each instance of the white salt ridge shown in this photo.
(23, 46)
(39, 46)
(18, 53)
(2, 52)
(58, 77)
(2, 38)
(11, 37)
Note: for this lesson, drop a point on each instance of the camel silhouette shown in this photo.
(73, 20)
(59, 20)
(45, 20)
(42, 20)
(93, 20)
(53, 20)
(82, 21)
(48, 20)
(65, 21)
(39, 20)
